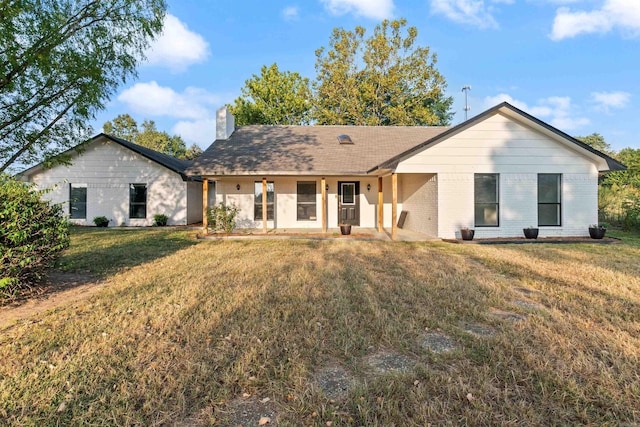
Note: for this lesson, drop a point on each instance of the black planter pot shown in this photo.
(345, 229)
(597, 232)
(530, 233)
(467, 234)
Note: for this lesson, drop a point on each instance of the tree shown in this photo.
(596, 141)
(273, 98)
(60, 61)
(125, 127)
(382, 80)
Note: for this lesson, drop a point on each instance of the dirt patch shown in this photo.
(334, 381)
(250, 411)
(387, 361)
(529, 305)
(479, 330)
(437, 342)
(506, 315)
(60, 289)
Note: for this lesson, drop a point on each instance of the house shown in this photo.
(498, 173)
(125, 182)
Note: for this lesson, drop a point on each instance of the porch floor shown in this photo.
(332, 233)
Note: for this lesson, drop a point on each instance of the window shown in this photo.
(137, 201)
(549, 199)
(486, 193)
(306, 201)
(78, 201)
(257, 211)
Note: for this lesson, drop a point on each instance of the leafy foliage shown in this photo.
(381, 80)
(32, 234)
(596, 141)
(273, 98)
(125, 127)
(222, 218)
(101, 221)
(160, 220)
(60, 61)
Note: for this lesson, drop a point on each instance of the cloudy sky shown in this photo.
(574, 64)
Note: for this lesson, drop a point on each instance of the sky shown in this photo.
(574, 64)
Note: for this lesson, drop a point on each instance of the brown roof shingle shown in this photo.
(308, 150)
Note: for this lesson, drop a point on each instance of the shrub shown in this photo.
(222, 218)
(33, 231)
(160, 220)
(101, 221)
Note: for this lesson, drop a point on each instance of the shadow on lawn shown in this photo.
(100, 253)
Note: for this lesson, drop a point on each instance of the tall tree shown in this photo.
(596, 141)
(60, 61)
(124, 126)
(274, 98)
(385, 79)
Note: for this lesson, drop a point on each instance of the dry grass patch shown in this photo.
(185, 333)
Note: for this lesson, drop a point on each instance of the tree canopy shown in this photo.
(385, 79)
(125, 127)
(596, 141)
(60, 61)
(273, 98)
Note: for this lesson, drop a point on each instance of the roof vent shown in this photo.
(344, 139)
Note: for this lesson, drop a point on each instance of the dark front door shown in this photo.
(349, 202)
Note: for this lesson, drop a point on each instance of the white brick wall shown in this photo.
(420, 200)
(107, 169)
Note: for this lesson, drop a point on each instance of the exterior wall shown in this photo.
(107, 169)
(420, 200)
(286, 201)
(194, 202)
(518, 153)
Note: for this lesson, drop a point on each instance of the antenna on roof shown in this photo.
(465, 89)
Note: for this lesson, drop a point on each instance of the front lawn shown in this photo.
(298, 332)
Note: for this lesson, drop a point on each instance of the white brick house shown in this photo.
(498, 173)
(122, 181)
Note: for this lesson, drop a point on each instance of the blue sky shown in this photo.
(572, 63)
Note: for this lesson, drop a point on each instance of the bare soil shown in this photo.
(60, 289)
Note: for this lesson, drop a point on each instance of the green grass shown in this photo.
(183, 328)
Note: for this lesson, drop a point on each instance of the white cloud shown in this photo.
(607, 100)
(290, 13)
(154, 100)
(177, 47)
(557, 110)
(622, 14)
(201, 132)
(377, 9)
(472, 12)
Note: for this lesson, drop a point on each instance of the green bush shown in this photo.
(160, 220)
(32, 234)
(222, 218)
(101, 221)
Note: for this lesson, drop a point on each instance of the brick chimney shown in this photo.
(225, 123)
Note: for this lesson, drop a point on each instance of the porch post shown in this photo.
(264, 205)
(323, 185)
(205, 205)
(394, 206)
(380, 205)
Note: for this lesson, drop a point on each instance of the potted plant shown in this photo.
(160, 220)
(530, 232)
(467, 233)
(101, 221)
(345, 229)
(597, 231)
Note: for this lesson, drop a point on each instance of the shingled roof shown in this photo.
(307, 150)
